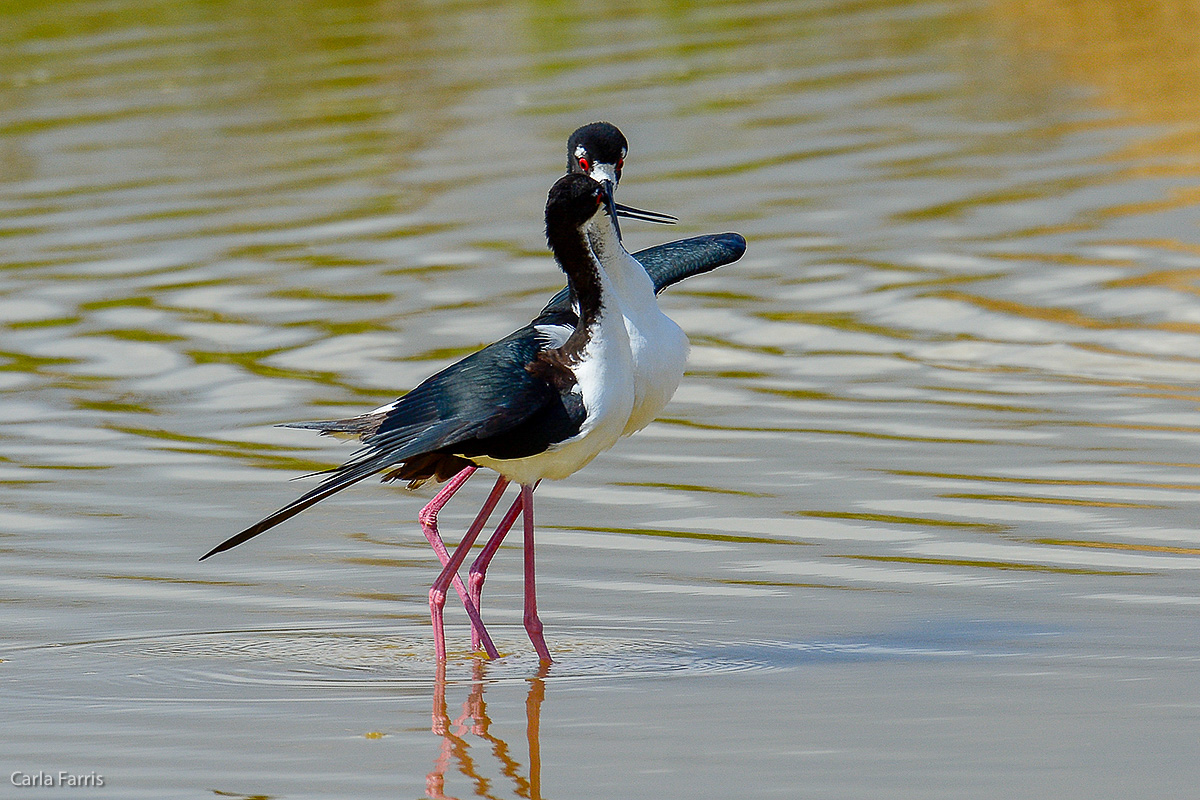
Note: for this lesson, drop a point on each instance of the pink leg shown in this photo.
(533, 625)
(437, 593)
(428, 519)
(478, 571)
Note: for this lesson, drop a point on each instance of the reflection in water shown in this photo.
(474, 720)
(1142, 60)
(1142, 56)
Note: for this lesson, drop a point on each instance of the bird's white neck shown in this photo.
(629, 279)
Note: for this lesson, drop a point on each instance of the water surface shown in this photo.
(920, 521)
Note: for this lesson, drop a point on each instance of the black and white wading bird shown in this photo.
(599, 362)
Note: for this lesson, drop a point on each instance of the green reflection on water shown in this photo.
(998, 565)
(666, 534)
(137, 335)
(687, 423)
(839, 321)
(1050, 501)
(1037, 481)
(53, 322)
(252, 362)
(898, 520)
(334, 297)
(799, 585)
(114, 406)
(23, 362)
(1123, 546)
(256, 453)
(684, 487)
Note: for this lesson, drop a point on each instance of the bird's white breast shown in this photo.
(658, 346)
(604, 378)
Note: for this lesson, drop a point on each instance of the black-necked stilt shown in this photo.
(598, 150)
(536, 404)
(395, 428)
(658, 345)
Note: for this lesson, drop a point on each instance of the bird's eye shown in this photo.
(620, 163)
(584, 165)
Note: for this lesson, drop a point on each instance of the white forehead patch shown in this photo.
(580, 151)
(603, 172)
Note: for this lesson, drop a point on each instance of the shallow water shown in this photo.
(920, 521)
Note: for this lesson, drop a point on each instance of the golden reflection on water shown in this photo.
(1141, 56)
(978, 563)
(1142, 60)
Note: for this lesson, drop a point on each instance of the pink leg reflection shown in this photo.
(474, 721)
(454, 742)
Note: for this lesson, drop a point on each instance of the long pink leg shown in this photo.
(478, 571)
(533, 625)
(437, 593)
(428, 519)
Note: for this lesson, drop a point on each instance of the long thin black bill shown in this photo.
(611, 205)
(645, 216)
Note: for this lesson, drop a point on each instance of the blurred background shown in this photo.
(920, 521)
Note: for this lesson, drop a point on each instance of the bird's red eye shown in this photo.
(620, 163)
(584, 165)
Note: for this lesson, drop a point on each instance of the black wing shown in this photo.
(486, 404)
(668, 264)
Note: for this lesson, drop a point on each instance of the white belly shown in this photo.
(660, 349)
(658, 346)
(605, 379)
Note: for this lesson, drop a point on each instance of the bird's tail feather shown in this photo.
(354, 427)
(389, 449)
(330, 486)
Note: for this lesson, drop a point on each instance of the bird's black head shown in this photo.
(573, 200)
(597, 150)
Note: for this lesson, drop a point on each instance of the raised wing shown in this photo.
(668, 264)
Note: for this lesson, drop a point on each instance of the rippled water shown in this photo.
(920, 521)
